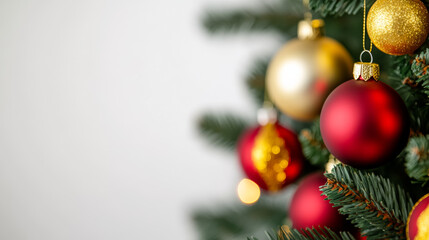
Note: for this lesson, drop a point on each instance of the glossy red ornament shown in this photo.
(271, 156)
(418, 220)
(364, 123)
(309, 209)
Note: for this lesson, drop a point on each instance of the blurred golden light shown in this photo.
(248, 191)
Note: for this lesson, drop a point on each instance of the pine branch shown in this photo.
(239, 221)
(256, 80)
(315, 234)
(373, 204)
(271, 236)
(420, 69)
(337, 7)
(417, 158)
(246, 21)
(282, 16)
(223, 130)
(313, 147)
(410, 81)
(307, 234)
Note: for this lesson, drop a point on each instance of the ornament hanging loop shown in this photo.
(366, 51)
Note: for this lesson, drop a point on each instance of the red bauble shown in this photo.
(418, 220)
(309, 209)
(364, 123)
(356, 233)
(271, 156)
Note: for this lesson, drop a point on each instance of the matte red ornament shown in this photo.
(364, 123)
(418, 220)
(309, 209)
(356, 233)
(271, 156)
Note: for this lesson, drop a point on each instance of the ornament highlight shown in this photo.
(398, 27)
(271, 156)
(364, 123)
(306, 70)
(418, 220)
(309, 209)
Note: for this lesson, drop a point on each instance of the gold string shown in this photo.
(364, 25)
(307, 14)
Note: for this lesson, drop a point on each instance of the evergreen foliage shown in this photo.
(237, 221)
(417, 158)
(245, 21)
(336, 7)
(256, 80)
(373, 204)
(223, 130)
(313, 147)
(281, 16)
(420, 69)
(285, 233)
(315, 234)
(411, 82)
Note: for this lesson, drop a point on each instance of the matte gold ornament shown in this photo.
(306, 70)
(398, 27)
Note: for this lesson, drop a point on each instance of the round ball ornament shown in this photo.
(418, 220)
(398, 27)
(309, 209)
(364, 123)
(306, 70)
(271, 156)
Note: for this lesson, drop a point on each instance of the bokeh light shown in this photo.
(248, 191)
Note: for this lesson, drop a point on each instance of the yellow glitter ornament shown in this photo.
(398, 27)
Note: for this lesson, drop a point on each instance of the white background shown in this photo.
(98, 107)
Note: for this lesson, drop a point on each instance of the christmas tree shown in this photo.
(374, 178)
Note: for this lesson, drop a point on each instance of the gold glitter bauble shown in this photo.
(305, 71)
(398, 27)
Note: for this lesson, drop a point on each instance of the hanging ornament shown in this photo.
(364, 123)
(418, 220)
(398, 27)
(270, 154)
(306, 70)
(309, 208)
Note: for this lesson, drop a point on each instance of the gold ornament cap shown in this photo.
(366, 71)
(311, 29)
